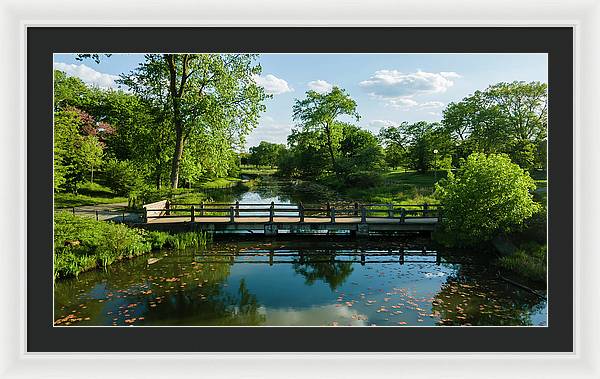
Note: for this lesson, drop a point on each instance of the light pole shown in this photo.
(435, 151)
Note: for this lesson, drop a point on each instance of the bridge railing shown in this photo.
(328, 211)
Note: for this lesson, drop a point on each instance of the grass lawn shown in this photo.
(88, 194)
(397, 187)
(219, 183)
(262, 170)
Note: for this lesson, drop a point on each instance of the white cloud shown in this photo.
(88, 74)
(393, 83)
(376, 125)
(450, 74)
(321, 86)
(398, 89)
(272, 84)
(431, 105)
(269, 130)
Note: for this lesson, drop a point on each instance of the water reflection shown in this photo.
(293, 283)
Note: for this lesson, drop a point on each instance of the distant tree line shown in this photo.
(505, 118)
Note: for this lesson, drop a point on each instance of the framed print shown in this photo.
(304, 192)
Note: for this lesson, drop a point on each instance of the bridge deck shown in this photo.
(290, 220)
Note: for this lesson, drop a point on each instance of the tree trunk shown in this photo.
(177, 158)
(330, 146)
(158, 179)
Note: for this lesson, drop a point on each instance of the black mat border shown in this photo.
(42, 42)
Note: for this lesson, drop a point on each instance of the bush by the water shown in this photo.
(489, 195)
(82, 244)
(529, 261)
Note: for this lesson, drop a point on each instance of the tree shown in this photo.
(501, 119)
(359, 150)
(320, 111)
(416, 143)
(201, 92)
(488, 196)
(266, 154)
(75, 154)
(89, 154)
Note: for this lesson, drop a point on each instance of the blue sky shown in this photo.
(388, 88)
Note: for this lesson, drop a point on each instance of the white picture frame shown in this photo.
(584, 16)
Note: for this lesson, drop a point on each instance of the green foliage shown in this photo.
(205, 98)
(421, 146)
(266, 154)
(488, 195)
(182, 241)
(319, 112)
(123, 177)
(509, 118)
(75, 155)
(82, 244)
(529, 261)
(359, 150)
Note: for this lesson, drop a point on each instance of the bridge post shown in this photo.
(425, 209)
(96, 215)
(271, 258)
(168, 207)
(237, 209)
(362, 259)
(332, 214)
(301, 211)
(402, 215)
(356, 208)
(192, 211)
(231, 214)
(328, 207)
(146, 215)
(390, 211)
(202, 209)
(271, 211)
(401, 258)
(363, 215)
(438, 258)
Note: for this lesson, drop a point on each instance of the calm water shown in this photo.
(315, 280)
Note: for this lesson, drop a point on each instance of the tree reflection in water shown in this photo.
(321, 267)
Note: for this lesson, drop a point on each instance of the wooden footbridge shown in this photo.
(358, 219)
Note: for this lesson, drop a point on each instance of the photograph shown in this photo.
(208, 189)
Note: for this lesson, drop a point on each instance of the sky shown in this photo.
(388, 88)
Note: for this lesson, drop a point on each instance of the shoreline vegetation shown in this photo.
(82, 244)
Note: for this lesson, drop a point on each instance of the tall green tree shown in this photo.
(201, 91)
(509, 118)
(320, 111)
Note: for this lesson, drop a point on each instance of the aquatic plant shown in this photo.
(182, 241)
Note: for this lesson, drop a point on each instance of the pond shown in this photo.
(298, 281)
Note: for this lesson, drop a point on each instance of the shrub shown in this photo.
(122, 177)
(489, 195)
(81, 244)
(363, 179)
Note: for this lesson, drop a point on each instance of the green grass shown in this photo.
(88, 194)
(219, 183)
(397, 187)
(262, 170)
(529, 261)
